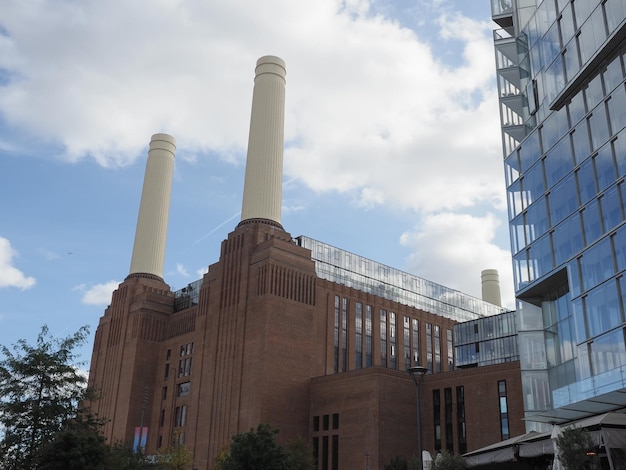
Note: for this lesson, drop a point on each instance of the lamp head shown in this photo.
(418, 370)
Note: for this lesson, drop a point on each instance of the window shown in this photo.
(164, 393)
(180, 418)
(368, 336)
(392, 340)
(416, 343)
(336, 336)
(184, 367)
(335, 420)
(325, 422)
(344, 335)
(335, 454)
(383, 338)
(450, 347)
(316, 423)
(183, 389)
(504, 411)
(429, 347)
(460, 419)
(448, 412)
(167, 371)
(437, 418)
(359, 335)
(407, 342)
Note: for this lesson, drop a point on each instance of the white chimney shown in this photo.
(262, 193)
(491, 286)
(149, 248)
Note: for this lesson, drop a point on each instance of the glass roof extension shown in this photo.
(345, 268)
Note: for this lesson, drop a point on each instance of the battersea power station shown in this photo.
(361, 360)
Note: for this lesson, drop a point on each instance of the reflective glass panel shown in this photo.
(567, 239)
(599, 127)
(592, 222)
(611, 208)
(602, 308)
(617, 109)
(596, 264)
(562, 200)
(580, 142)
(586, 182)
(607, 352)
(576, 107)
(558, 161)
(605, 169)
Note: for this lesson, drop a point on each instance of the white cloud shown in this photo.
(370, 108)
(180, 269)
(453, 249)
(10, 276)
(98, 294)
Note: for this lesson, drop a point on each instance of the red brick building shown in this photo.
(258, 346)
(314, 340)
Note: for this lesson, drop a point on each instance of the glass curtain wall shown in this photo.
(560, 67)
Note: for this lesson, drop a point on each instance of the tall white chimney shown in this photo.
(149, 248)
(490, 281)
(262, 193)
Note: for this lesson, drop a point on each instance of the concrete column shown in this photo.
(491, 286)
(149, 248)
(262, 194)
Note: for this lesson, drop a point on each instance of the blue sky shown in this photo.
(392, 143)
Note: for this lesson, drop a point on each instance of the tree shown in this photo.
(299, 455)
(448, 461)
(254, 450)
(176, 456)
(122, 457)
(574, 445)
(40, 389)
(78, 446)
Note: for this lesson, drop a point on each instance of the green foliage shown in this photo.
(176, 456)
(573, 444)
(448, 461)
(258, 450)
(121, 457)
(78, 446)
(254, 450)
(299, 455)
(40, 389)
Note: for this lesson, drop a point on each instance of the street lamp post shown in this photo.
(417, 373)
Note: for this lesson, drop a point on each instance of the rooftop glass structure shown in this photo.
(560, 75)
(486, 341)
(348, 269)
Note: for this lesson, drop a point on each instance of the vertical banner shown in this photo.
(141, 438)
(136, 439)
(144, 437)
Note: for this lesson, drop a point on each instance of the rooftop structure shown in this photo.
(356, 271)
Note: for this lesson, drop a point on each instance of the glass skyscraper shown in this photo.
(560, 73)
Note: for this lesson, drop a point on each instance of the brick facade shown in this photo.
(268, 341)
